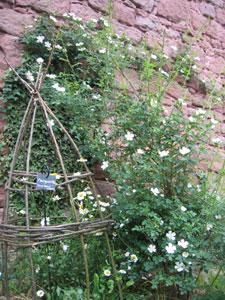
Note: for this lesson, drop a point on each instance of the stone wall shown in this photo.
(167, 22)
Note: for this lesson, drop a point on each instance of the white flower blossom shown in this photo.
(105, 165)
(189, 185)
(129, 136)
(127, 254)
(153, 56)
(103, 50)
(133, 258)
(209, 227)
(48, 45)
(218, 217)
(40, 293)
(184, 150)
(185, 254)
(56, 198)
(217, 141)
(151, 248)
(155, 191)
(58, 88)
(49, 257)
(140, 151)
(104, 204)
(182, 243)
(200, 112)
(214, 121)
(122, 271)
(29, 76)
(82, 159)
(51, 123)
(57, 46)
(52, 76)
(107, 273)
(65, 247)
(163, 153)
(96, 96)
(22, 212)
(53, 19)
(40, 39)
(183, 208)
(170, 248)
(81, 195)
(174, 48)
(171, 235)
(40, 60)
(180, 267)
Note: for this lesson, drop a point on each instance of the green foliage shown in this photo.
(169, 223)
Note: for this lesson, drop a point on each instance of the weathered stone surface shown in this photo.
(13, 22)
(133, 33)
(50, 6)
(173, 10)
(220, 16)
(207, 10)
(145, 23)
(145, 4)
(219, 3)
(84, 12)
(216, 31)
(12, 50)
(101, 5)
(128, 80)
(124, 14)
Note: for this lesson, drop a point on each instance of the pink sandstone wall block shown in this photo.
(175, 10)
(124, 14)
(101, 5)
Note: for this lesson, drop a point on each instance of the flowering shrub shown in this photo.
(168, 218)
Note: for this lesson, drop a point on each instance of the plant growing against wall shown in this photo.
(162, 244)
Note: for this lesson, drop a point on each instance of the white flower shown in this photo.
(48, 45)
(163, 153)
(81, 49)
(58, 176)
(103, 209)
(57, 46)
(140, 151)
(79, 44)
(155, 191)
(209, 227)
(182, 243)
(216, 140)
(197, 58)
(183, 208)
(49, 257)
(171, 235)
(107, 273)
(99, 233)
(191, 119)
(180, 267)
(153, 56)
(83, 211)
(127, 254)
(194, 67)
(24, 179)
(181, 101)
(40, 39)
(96, 96)
(81, 195)
(53, 19)
(43, 222)
(77, 174)
(56, 198)
(22, 212)
(58, 88)
(170, 248)
(134, 258)
(122, 271)
(214, 121)
(152, 248)
(103, 50)
(82, 159)
(40, 293)
(184, 150)
(218, 217)
(189, 185)
(174, 48)
(164, 73)
(37, 270)
(129, 136)
(52, 76)
(104, 204)
(104, 165)
(29, 76)
(200, 112)
(185, 254)
(65, 247)
(51, 123)
(40, 60)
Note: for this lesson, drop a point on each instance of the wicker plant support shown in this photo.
(30, 236)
